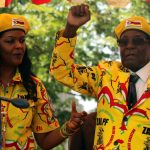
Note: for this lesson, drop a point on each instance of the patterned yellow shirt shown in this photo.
(117, 127)
(19, 124)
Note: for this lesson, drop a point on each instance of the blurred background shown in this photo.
(96, 41)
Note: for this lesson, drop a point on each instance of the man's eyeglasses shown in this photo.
(138, 41)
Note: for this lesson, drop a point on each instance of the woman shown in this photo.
(17, 81)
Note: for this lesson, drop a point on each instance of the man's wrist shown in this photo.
(70, 31)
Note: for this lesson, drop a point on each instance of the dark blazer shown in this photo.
(84, 138)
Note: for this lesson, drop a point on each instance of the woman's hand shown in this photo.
(76, 120)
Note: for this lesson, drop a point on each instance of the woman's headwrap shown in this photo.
(13, 21)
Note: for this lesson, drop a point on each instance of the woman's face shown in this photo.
(12, 47)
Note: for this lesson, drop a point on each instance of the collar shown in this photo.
(17, 76)
(144, 72)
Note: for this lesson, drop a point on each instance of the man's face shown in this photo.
(134, 49)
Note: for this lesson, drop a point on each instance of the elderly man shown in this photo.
(122, 89)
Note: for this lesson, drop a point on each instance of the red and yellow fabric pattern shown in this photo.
(19, 124)
(116, 126)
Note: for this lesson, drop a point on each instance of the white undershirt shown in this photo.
(141, 84)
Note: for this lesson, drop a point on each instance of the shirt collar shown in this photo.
(144, 72)
(17, 76)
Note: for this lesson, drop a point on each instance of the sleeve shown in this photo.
(44, 119)
(80, 78)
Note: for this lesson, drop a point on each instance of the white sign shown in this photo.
(118, 3)
(2, 3)
(77, 1)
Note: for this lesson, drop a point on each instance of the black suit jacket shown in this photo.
(84, 138)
